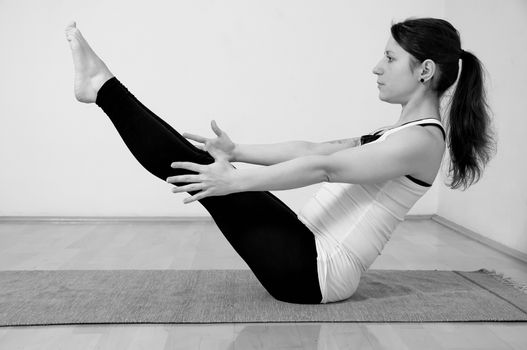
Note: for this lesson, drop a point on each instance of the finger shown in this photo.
(195, 137)
(215, 128)
(187, 188)
(196, 197)
(184, 178)
(188, 165)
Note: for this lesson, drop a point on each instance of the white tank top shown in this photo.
(352, 223)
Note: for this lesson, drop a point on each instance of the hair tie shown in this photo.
(462, 54)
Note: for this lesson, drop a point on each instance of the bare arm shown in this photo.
(267, 154)
(330, 147)
(402, 153)
(270, 154)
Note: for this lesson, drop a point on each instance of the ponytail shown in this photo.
(469, 135)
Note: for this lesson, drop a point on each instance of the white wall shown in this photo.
(496, 207)
(267, 71)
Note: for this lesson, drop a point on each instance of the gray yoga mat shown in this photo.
(231, 296)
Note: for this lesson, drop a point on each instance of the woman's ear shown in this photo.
(428, 68)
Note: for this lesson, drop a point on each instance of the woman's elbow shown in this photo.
(326, 170)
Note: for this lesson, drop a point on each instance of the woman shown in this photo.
(318, 255)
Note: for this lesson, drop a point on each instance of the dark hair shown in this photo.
(470, 137)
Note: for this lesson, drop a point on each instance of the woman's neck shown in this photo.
(419, 108)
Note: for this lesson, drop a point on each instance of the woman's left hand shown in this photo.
(216, 179)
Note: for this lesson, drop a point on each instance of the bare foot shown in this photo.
(90, 71)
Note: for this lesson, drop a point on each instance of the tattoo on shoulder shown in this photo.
(339, 141)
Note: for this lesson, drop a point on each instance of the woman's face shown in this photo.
(396, 81)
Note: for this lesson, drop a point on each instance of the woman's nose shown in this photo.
(376, 70)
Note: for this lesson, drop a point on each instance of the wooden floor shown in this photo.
(416, 244)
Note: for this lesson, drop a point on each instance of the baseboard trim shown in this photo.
(480, 238)
(103, 219)
(73, 219)
(418, 217)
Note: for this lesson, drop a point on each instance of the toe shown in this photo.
(70, 28)
(71, 24)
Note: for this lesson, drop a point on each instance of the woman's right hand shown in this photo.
(219, 147)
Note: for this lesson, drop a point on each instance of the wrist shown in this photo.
(235, 153)
(237, 182)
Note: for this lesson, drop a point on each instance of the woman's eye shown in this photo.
(389, 58)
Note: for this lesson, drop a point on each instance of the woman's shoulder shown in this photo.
(428, 148)
(428, 138)
(435, 131)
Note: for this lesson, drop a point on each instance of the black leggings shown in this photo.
(265, 232)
